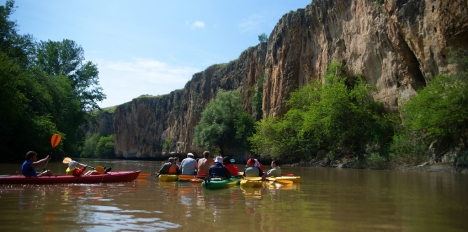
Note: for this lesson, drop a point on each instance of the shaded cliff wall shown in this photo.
(397, 46)
(142, 125)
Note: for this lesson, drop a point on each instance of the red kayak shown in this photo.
(126, 176)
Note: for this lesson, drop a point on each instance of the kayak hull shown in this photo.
(220, 184)
(168, 177)
(245, 183)
(125, 176)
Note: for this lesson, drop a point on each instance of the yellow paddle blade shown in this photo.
(55, 140)
(100, 169)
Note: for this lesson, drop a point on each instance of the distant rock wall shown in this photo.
(397, 46)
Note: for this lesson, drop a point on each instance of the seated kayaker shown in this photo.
(204, 164)
(233, 169)
(258, 164)
(188, 165)
(275, 169)
(170, 167)
(217, 170)
(75, 171)
(250, 169)
(28, 167)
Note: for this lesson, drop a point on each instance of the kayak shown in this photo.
(196, 180)
(220, 184)
(125, 176)
(168, 177)
(246, 183)
(294, 179)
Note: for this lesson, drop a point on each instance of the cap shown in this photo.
(251, 160)
(190, 155)
(72, 164)
(219, 159)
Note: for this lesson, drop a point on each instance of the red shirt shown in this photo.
(234, 170)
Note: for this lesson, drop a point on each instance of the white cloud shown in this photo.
(198, 24)
(252, 23)
(123, 81)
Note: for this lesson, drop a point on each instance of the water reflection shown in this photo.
(325, 200)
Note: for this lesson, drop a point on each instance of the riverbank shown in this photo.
(424, 167)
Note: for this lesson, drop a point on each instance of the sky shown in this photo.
(151, 46)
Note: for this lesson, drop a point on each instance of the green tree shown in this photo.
(339, 116)
(67, 58)
(437, 113)
(217, 124)
(105, 147)
(263, 38)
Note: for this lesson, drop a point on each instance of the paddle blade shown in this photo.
(67, 160)
(100, 169)
(142, 175)
(55, 140)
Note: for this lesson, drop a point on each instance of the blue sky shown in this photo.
(151, 46)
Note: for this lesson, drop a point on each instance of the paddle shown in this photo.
(54, 141)
(99, 169)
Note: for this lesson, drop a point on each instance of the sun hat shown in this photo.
(219, 159)
(72, 164)
(190, 155)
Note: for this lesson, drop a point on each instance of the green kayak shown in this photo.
(220, 184)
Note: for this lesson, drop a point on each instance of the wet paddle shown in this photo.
(54, 141)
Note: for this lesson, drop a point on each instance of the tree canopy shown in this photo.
(223, 122)
(46, 88)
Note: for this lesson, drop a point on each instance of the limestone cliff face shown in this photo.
(397, 46)
(142, 126)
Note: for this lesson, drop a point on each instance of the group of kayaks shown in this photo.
(218, 183)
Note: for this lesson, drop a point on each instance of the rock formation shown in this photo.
(397, 46)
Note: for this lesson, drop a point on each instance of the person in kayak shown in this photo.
(233, 169)
(217, 170)
(188, 165)
(204, 164)
(75, 171)
(28, 167)
(275, 169)
(250, 169)
(170, 167)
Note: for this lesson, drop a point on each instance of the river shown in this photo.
(327, 199)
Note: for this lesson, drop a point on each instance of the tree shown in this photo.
(105, 147)
(439, 110)
(217, 124)
(339, 116)
(67, 58)
(263, 38)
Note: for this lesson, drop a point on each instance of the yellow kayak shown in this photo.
(294, 179)
(168, 177)
(247, 183)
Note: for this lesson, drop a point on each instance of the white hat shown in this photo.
(219, 159)
(72, 164)
(190, 155)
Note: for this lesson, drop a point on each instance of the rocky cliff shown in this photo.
(397, 46)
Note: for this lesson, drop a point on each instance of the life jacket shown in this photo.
(173, 169)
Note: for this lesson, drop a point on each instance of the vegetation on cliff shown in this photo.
(224, 124)
(46, 87)
(338, 116)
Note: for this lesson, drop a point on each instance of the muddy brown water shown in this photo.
(326, 200)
